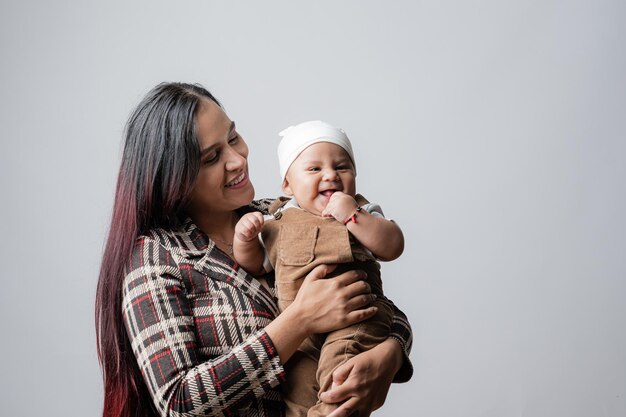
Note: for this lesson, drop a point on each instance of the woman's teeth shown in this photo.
(237, 180)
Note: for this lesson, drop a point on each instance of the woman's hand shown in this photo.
(326, 304)
(322, 305)
(364, 380)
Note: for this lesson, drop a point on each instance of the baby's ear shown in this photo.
(287, 188)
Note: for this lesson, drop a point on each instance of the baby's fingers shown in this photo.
(247, 229)
(258, 221)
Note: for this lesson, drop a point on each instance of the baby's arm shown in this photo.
(247, 249)
(381, 236)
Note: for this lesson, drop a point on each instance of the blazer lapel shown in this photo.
(209, 260)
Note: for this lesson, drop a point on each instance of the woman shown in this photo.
(181, 328)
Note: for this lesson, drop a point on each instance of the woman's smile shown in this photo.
(240, 181)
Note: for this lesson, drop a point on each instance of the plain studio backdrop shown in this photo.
(493, 132)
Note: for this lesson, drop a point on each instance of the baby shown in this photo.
(324, 222)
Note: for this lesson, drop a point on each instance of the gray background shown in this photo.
(493, 132)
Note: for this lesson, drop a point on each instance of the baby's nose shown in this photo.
(331, 175)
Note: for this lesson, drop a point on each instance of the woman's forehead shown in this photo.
(213, 125)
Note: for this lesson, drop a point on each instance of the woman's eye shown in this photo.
(211, 158)
(234, 139)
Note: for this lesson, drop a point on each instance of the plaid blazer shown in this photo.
(196, 323)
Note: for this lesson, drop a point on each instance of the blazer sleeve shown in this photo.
(401, 331)
(160, 324)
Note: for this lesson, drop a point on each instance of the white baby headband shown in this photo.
(297, 138)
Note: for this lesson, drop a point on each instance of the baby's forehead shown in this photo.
(323, 150)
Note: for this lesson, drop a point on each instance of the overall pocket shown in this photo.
(297, 244)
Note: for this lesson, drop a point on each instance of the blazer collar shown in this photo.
(191, 241)
(194, 245)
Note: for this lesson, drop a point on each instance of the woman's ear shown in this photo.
(287, 188)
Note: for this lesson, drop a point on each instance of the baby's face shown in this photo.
(320, 170)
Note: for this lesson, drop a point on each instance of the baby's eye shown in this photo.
(314, 169)
(342, 167)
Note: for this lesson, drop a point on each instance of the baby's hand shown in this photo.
(340, 206)
(249, 226)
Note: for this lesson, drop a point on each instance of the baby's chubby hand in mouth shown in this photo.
(340, 206)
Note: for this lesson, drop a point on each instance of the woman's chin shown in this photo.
(250, 193)
(245, 195)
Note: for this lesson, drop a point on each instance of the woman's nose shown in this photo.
(234, 160)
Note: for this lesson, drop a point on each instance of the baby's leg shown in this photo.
(343, 344)
(300, 388)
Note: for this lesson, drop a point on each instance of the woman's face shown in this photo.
(222, 184)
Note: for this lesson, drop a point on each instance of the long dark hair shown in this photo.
(159, 165)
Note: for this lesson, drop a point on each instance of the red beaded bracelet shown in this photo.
(352, 218)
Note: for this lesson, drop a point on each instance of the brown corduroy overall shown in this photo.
(296, 242)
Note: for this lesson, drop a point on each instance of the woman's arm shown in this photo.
(163, 331)
(402, 333)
